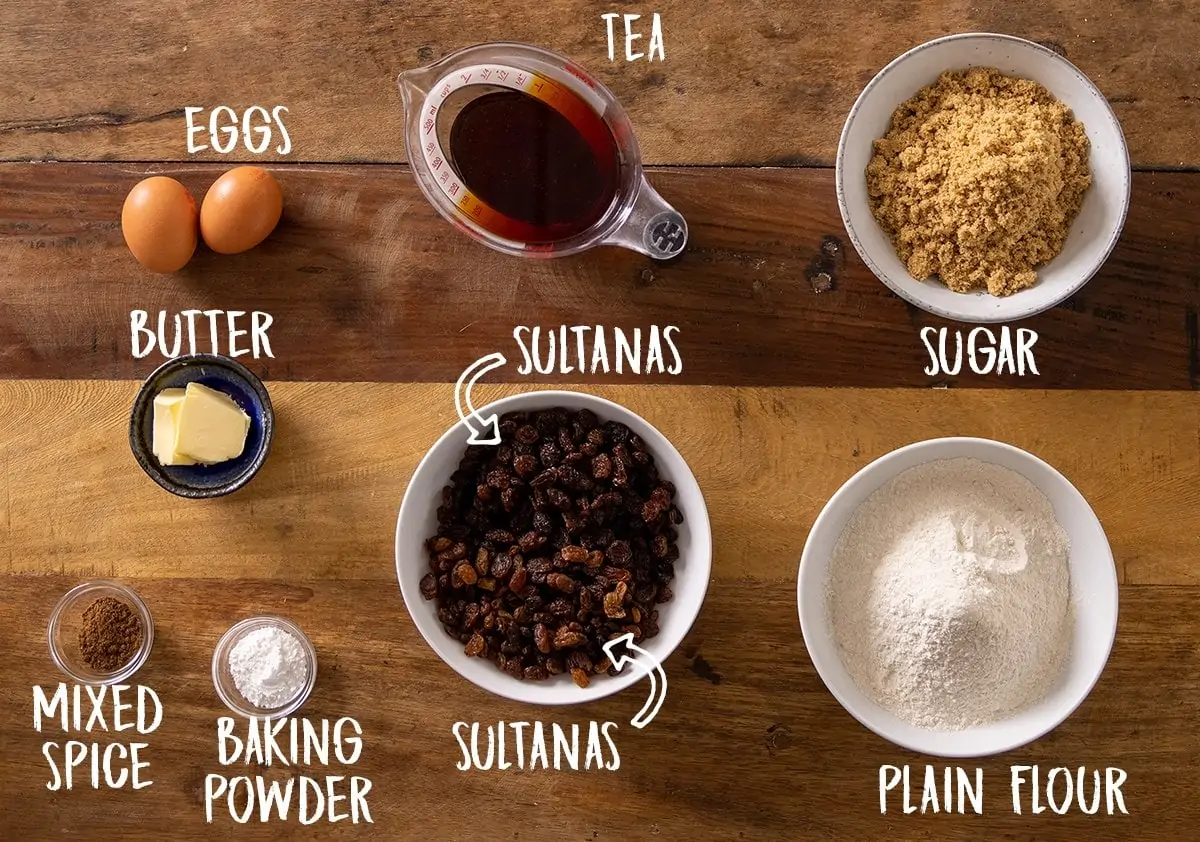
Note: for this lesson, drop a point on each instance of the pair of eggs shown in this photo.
(162, 225)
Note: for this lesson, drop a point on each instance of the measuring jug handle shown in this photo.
(653, 227)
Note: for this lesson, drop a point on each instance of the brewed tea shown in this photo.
(533, 164)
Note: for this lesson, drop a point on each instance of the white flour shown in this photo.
(949, 595)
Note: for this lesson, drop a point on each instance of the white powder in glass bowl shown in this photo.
(269, 667)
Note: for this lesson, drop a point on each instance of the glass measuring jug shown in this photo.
(526, 152)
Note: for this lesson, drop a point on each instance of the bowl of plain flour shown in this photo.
(958, 597)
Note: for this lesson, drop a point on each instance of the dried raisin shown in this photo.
(584, 500)
(561, 582)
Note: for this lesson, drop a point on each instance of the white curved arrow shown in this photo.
(489, 428)
(658, 678)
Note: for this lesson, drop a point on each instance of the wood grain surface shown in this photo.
(366, 282)
(749, 743)
(79, 87)
(799, 367)
(766, 459)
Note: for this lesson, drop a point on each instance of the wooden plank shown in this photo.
(784, 74)
(767, 460)
(366, 282)
(748, 745)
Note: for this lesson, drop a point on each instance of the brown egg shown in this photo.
(158, 221)
(240, 210)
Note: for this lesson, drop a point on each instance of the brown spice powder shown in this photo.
(978, 180)
(110, 635)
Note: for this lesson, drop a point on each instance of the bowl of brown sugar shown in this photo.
(100, 633)
(983, 177)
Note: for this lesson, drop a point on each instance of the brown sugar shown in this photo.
(978, 180)
(110, 635)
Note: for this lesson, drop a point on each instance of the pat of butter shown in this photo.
(209, 426)
(166, 411)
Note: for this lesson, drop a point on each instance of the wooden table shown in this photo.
(799, 368)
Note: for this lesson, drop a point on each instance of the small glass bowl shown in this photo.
(67, 619)
(223, 678)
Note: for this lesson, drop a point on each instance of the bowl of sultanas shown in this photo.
(519, 561)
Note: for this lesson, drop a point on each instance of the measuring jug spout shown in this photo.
(413, 85)
(652, 227)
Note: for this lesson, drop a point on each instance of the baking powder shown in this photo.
(949, 595)
(269, 667)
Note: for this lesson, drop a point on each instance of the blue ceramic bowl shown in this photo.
(224, 375)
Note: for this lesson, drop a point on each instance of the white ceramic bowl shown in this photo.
(418, 521)
(1093, 599)
(1095, 230)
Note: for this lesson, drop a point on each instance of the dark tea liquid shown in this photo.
(549, 175)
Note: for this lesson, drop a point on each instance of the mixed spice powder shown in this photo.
(110, 635)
